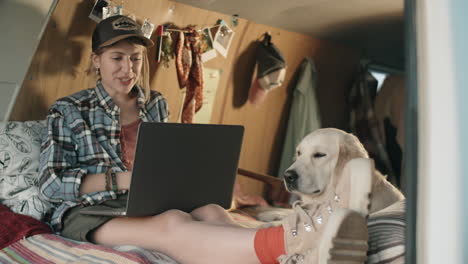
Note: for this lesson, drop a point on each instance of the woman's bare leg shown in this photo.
(178, 235)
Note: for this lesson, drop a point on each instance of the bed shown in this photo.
(24, 238)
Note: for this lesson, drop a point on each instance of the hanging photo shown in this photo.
(207, 50)
(97, 12)
(147, 28)
(223, 39)
(109, 11)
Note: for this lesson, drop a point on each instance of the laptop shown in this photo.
(180, 166)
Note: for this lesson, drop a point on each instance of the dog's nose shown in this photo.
(290, 176)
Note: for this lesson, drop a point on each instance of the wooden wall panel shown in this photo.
(59, 69)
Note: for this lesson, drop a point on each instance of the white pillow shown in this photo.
(20, 146)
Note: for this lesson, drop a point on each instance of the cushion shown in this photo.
(20, 144)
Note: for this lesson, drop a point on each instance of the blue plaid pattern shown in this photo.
(83, 137)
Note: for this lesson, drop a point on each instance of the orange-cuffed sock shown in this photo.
(269, 244)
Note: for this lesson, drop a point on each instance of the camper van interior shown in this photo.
(339, 64)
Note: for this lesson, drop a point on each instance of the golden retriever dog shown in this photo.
(322, 155)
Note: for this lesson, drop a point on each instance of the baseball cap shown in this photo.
(271, 66)
(271, 71)
(115, 28)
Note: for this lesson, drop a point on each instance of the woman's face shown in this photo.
(120, 67)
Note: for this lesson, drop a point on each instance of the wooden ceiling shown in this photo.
(376, 27)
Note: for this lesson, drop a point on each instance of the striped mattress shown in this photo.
(53, 249)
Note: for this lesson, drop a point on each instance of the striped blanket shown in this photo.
(387, 235)
(53, 249)
(386, 245)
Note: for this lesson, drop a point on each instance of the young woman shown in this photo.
(87, 159)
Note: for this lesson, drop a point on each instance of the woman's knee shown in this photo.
(209, 212)
(171, 220)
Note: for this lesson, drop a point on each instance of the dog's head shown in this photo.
(320, 156)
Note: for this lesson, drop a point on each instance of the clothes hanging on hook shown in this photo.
(304, 113)
(189, 68)
(183, 57)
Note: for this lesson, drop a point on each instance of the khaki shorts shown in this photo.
(78, 226)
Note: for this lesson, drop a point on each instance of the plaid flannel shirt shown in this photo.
(83, 137)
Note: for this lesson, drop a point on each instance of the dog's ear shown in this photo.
(354, 147)
(343, 157)
(349, 148)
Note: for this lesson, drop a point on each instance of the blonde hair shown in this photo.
(143, 80)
